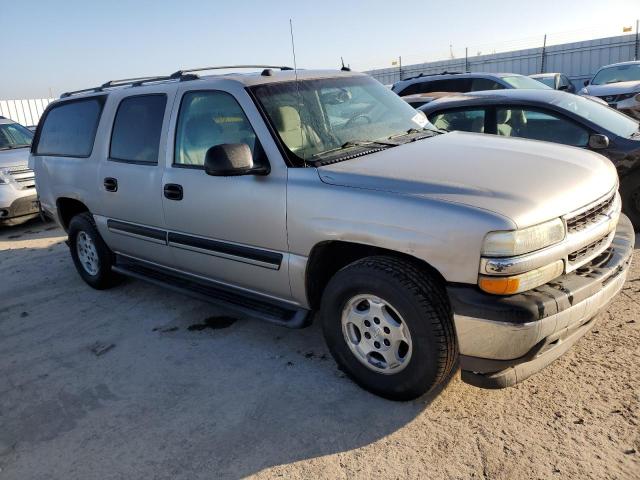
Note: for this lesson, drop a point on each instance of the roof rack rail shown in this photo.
(134, 82)
(181, 75)
(433, 74)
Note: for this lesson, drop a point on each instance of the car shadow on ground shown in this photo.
(140, 379)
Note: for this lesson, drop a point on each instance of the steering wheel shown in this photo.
(351, 122)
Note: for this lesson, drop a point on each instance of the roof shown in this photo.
(263, 76)
(499, 96)
(437, 76)
(631, 62)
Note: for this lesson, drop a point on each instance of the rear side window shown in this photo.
(462, 85)
(137, 128)
(69, 128)
(485, 84)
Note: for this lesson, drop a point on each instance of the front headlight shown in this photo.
(517, 242)
(523, 282)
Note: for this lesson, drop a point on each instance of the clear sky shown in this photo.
(58, 45)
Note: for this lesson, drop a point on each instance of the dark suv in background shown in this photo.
(463, 83)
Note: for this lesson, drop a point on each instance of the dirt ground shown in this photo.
(139, 382)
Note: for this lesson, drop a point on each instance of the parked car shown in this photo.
(618, 85)
(419, 249)
(18, 199)
(463, 82)
(557, 81)
(551, 116)
(419, 99)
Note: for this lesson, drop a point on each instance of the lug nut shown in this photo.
(386, 330)
(367, 323)
(387, 342)
(367, 335)
(376, 320)
(376, 344)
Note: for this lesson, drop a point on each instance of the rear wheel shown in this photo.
(630, 193)
(91, 256)
(389, 326)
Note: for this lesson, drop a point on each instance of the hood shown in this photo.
(613, 88)
(524, 180)
(10, 158)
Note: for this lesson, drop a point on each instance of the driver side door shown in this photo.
(231, 230)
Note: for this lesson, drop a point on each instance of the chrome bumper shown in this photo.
(503, 340)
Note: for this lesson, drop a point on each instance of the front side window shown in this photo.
(207, 119)
(137, 128)
(14, 135)
(619, 73)
(314, 118)
(460, 120)
(539, 125)
(520, 81)
(69, 128)
(548, 81)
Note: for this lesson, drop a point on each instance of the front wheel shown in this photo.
(389, 326)
(630, 194)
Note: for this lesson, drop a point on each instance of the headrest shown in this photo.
(503, 116)
(287, 119)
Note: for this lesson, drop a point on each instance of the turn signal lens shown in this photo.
(523, 282)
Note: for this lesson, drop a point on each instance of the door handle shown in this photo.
(111, 184)
(173, 191)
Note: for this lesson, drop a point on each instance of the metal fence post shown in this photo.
(544, 51)
(637, 40)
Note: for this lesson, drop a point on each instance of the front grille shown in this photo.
(584, 252)
(616, 98)
(23, 176)
(590, 216)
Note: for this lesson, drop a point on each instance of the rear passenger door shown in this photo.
(129, 214)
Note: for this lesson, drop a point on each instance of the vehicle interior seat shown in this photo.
(298, 137)
(518, 121)
(200, 134)
(503, 119)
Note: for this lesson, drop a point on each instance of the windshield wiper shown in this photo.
(414, 131)
(358, 143)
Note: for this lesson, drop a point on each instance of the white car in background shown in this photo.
(618, 85)
(18, 198)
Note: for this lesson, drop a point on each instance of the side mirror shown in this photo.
(231, 159)
(563, 87)
(586, 83)
(597, 141)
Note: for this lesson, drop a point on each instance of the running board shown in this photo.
(241, 303)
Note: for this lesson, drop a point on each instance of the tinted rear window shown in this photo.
(69, 128)
(462, 85)
(137, 128)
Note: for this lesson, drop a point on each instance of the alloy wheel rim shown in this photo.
(376, 334)
(87, 253)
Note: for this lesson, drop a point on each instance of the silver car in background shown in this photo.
(18, 199)
(618, 85)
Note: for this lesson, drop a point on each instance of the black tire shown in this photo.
(104, 277)
(630, 193)
(420, 299)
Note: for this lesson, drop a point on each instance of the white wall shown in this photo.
(27, 111)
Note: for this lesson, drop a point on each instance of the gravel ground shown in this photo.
(139, 382)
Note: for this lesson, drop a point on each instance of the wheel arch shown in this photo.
(69, 208)
(328, 257)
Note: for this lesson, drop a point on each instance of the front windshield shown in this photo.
(608, 118)
(619, 73)
(316, 117)
(548, 81)
(520, 81)
(14, 135)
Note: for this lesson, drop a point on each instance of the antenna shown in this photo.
(300, 103)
